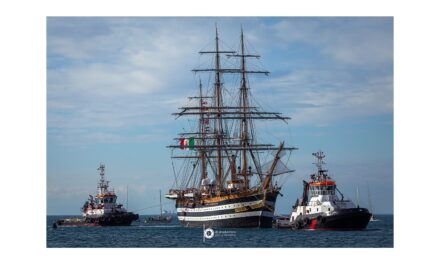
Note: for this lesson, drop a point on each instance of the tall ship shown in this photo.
(226, 173)
(101, 210)
(321, 208)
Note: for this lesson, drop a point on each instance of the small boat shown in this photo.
(282, 222)
(101, 210)
(159, 218)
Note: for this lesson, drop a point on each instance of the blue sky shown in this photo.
(112, 84)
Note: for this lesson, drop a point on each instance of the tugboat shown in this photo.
(325, 210)
(101, 210)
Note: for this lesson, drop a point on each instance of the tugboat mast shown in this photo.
(322, 176)
(102, 184)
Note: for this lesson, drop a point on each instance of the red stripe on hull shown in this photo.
(312, 224)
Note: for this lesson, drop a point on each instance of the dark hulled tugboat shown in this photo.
(321, 208)
(101, 210)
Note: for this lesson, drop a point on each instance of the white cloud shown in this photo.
(322, 97)
(114, 74)
(97, 80)
(106, 75)
(359, 41)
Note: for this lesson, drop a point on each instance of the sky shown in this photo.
(113, 82)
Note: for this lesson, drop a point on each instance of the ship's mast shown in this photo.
(218, 103)
(202, 130)
(102, 184)
(243, 104)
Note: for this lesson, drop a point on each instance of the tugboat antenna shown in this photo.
(320, 159)
(102, 184)
(319, 162)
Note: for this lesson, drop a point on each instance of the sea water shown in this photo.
(378, 234)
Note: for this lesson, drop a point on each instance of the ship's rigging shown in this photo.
(225, 152)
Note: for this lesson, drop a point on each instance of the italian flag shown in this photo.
(187, 143)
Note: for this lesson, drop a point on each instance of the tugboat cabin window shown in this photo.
(322, 190)
(108, 200)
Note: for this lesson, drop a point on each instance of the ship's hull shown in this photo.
(118, 219)
(233, 211)
(345, 219)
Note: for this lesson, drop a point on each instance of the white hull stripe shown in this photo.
(221, 207)
(226, 216)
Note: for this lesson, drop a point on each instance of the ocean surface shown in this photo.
(379, 234)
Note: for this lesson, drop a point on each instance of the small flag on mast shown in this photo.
(187, 143)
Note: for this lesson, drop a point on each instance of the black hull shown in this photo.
(254, 210)
(123, 219)
(119, 219)
(346, 219)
